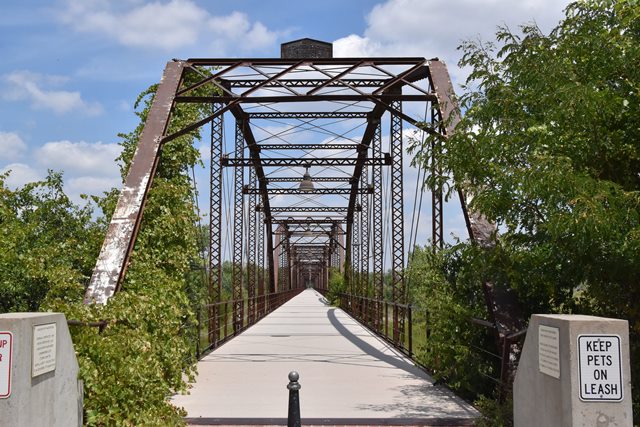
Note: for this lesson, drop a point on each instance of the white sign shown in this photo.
(43, 359)
(549, 350)
(6, 352)
(600, 368)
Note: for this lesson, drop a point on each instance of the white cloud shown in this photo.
(165, 25)
(20, 174)
(12, 146)
(432, 28)
(25, 85)
(80, 158)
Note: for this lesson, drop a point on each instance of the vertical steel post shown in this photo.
(397, 225)
(288, 271)
(354, 267)
(260, 262)
(215, 224)
(364, 237)
(377, 240)
(437, 234)
(251, 249)
(238, 305)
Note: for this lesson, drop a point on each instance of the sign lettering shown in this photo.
(549, 350)
(6, 352)
(43, 358)
(600, 368)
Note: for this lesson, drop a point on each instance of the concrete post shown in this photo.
(43, 372)
(574, 371)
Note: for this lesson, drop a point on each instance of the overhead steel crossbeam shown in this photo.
(308, 209)
(311, 115)
(315, 179)
(309, 221)
(309, 146)
(291, 162)
(315, 191)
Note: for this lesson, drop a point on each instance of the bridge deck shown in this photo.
(347, 374)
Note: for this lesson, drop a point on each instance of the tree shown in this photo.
(46, 241)
(549, 147)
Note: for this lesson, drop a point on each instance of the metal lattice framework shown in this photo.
(319, 116)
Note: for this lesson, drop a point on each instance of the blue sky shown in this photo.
(71, 69)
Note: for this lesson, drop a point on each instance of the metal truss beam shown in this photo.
(305, 98)
(251, 250)
(238, 239)
(311, 115)
(378, 231)
(309, 221)
(113, 259)
(215, 224)
(314, 179)
(308, 209)
(309, 147)
(397, 229)
(289, 162)
(315, 191)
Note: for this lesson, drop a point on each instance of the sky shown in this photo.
(71, 69)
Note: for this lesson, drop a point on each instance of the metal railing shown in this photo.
(215, 323)
(377, 315)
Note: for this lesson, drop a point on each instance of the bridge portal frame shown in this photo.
(337, 80)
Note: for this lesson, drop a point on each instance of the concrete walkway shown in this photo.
(348, 375)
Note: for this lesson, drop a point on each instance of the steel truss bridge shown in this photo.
(290, 230)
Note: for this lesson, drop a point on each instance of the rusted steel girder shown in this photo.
(251, 251)
(397, 229)
(297, 191)
(290, 162)
(238, 240)
(111, 265)
(215, 225)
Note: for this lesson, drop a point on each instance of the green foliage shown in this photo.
(548, 147)
(337, 286)
(442, 291)
(146, 353)
(46, 241)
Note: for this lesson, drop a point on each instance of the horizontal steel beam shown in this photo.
(297, 191)
(308, 221)
(307, 82)
(314, 179)
(306, 98)
(289, 162)
(310, 147)
(309, 115)
(309, 209)
(247, 62)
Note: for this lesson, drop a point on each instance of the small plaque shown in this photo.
(549, 350)
(600, 368)
(6, 352)
(43, 358)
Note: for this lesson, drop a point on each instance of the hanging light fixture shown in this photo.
(306, 184)
(307, 232)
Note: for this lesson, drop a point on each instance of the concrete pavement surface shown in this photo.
(346, 373)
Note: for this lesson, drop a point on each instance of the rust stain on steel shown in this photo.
(480, 229)
(120, 238)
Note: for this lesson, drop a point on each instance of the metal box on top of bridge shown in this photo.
(306, 48)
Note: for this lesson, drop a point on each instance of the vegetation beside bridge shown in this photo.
(549, 147)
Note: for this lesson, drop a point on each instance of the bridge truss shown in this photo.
(314, 139)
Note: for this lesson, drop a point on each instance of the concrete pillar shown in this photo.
(43, 374)
(574, 371)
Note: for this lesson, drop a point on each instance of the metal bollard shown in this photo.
(293, 419)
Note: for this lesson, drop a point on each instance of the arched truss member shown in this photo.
(315, 92)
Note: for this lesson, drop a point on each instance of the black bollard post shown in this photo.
(293, 419)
